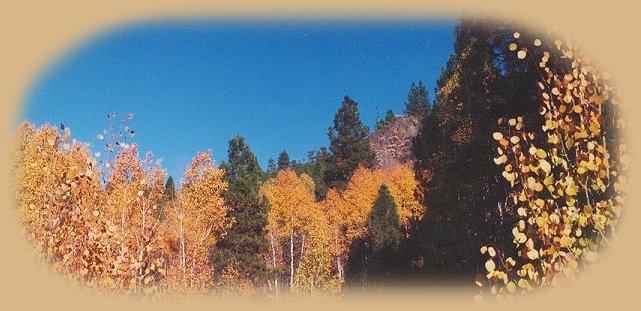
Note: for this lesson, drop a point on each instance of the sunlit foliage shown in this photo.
(568, 186)
(299, 230)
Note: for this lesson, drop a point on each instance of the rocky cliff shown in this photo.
(392, 143)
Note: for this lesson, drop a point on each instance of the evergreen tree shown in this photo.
(271, 167)
(374, 260)
(283, 160)
(417, 102)
(315, 167)
(389, 118)
(169, 196)
(454, 151)
(384, 234)
(384, 223)
(349, 145)
(244, 245)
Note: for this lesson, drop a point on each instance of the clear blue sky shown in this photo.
(194, 85)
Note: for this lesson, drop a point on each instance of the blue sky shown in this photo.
(193, 85)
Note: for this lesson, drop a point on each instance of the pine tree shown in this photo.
(349, 145)
(244, 245)
(373, 259)
(454, 151)
(314, 167)
(271, 167)
(384, 223)
(283, 160)
(417, 102)
(389, 119)
(169, 197)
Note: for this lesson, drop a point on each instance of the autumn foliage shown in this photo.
(537, 185)
(567, 183)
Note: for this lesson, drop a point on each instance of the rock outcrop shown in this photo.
(392, 143)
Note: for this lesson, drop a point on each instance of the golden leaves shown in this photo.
(565, 241)
(554, 185)
(491, 251)
(511, 287)
(490, 265)
(500, 160)
(545, 166)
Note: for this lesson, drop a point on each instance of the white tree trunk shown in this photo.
(291, 259)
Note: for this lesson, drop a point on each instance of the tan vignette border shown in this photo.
(34, 34)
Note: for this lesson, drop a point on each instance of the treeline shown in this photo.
(517, 183)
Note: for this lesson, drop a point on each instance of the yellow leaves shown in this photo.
(500, 160)
(512, 46)
(565, 241)
(511, 287)
(291, 200)
(539, 202)
(497, 135)
(545, 166)
(572, 166)
(550, 125)
(521, 54)
(522, 283)
(577, 109)
(490, 265)
(510, 262)
(403, 186)
(491, 251)
(519, 236)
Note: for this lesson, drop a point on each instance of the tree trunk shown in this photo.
(274, 262)
(291, 259)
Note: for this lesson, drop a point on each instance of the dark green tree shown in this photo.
(314, 167)
(384, 226)
(454, 151)
(283, 160)
(389, 118)
(417, 101)
(169, 197)
(349, 145)
(384, 235)
(271, 167)
(374, 260)
(244, 245)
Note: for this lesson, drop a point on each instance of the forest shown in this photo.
(516, 181)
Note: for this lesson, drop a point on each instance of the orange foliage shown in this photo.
(193, 223)
(348, 211)
(296, 223)
(568, 191)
